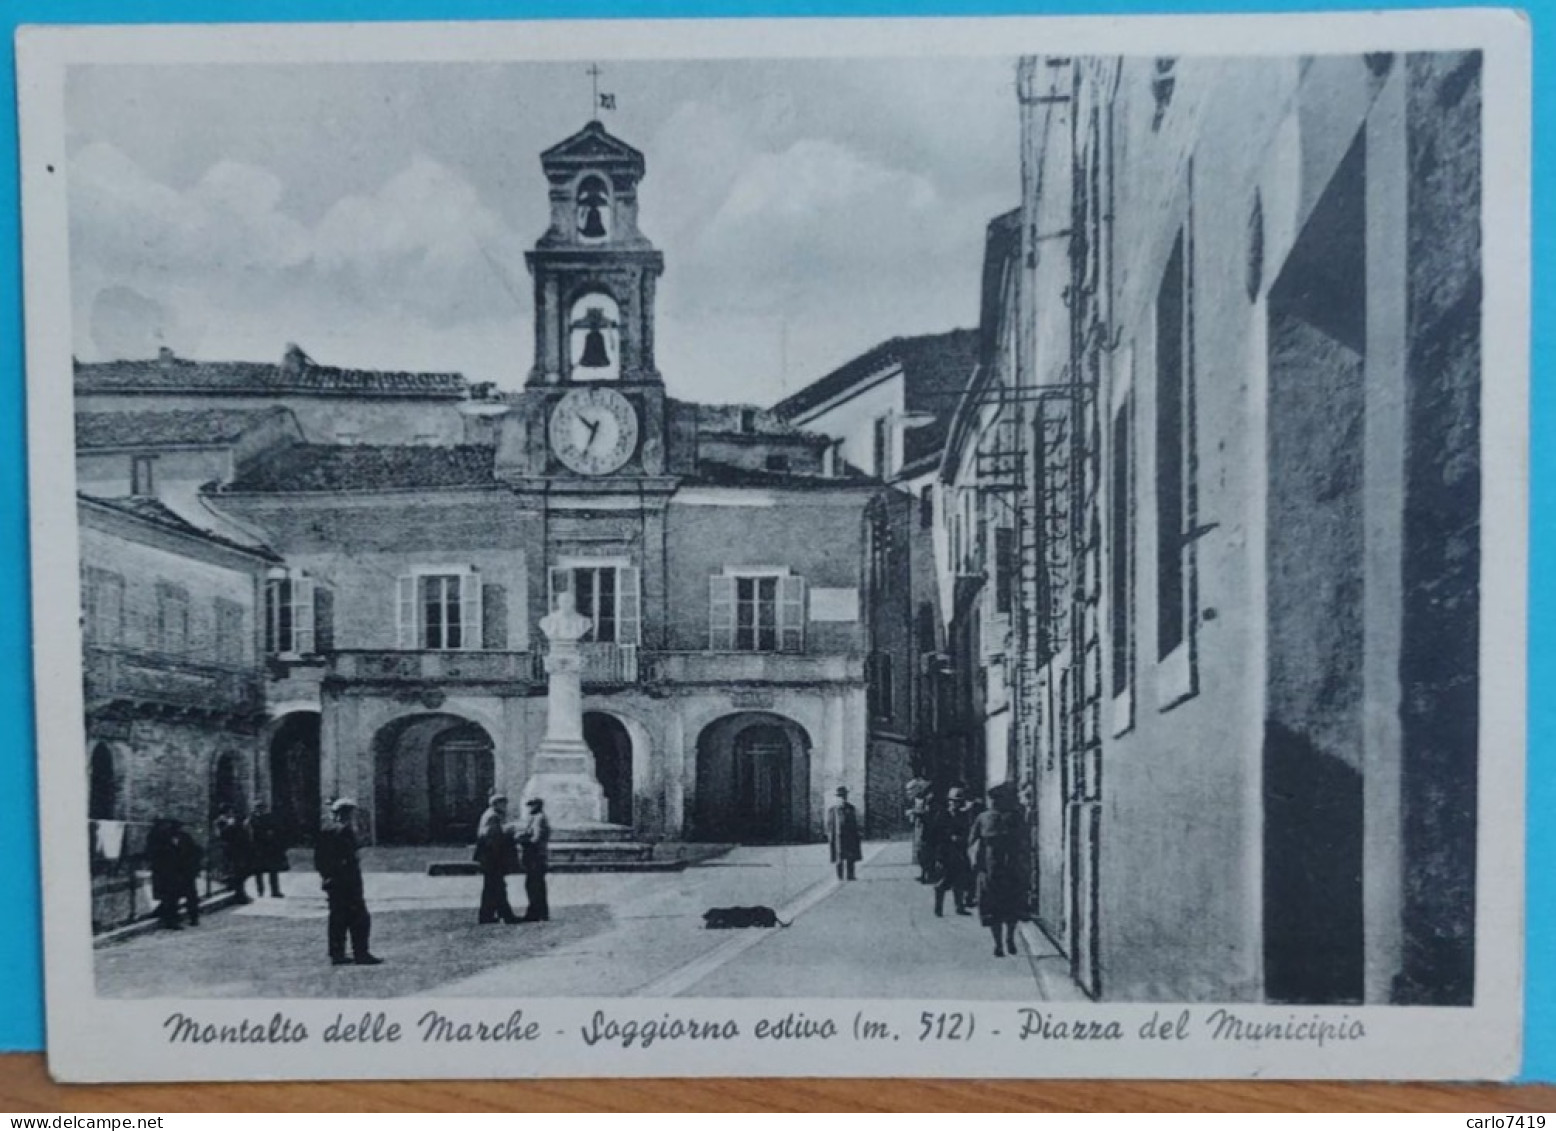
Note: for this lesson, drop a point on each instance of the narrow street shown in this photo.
(612, 935)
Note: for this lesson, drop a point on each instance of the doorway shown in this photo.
(611, 746)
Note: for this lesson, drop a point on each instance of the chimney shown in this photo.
(829, 460)
(294, 360)
(164, 356)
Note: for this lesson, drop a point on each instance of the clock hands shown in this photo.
(594, 428)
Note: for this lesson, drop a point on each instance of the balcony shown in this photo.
(159, 680)
(604, 665)
(393, 667)
(776, 668)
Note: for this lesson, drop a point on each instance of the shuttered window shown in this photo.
(289, 608)
(756, 613)
(231, 626)
(609, 595)
(102, 604)
(439, 612)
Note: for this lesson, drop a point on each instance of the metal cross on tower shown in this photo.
(593, 71)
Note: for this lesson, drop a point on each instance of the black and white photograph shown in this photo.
(961, 548)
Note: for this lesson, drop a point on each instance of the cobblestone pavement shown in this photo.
(611, 935)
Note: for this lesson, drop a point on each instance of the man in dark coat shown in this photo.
(497, 855)
(175, 858)
(843, 835)
(268, 850)
(233, 836)
(948, 837)
(535, 858)
(340, 873)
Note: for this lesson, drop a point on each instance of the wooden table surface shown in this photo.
(26, 1087)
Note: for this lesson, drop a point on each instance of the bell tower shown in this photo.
(594, 272)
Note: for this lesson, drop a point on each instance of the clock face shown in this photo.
(594, 431)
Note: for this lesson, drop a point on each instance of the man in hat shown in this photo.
(535, 858)
(843, 835)
(952, 869)
(340, 873)
(497, 854)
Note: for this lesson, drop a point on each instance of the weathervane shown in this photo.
(598, 101)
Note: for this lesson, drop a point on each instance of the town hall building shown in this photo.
(719, 552)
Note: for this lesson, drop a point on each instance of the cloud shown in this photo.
(125, 323)
(424, 241)
(817, 224)
(422, 248)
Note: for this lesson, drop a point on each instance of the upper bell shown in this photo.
(593, 226)
(594, 355)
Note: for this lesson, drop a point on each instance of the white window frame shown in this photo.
(410, 626)
(298, 639)
(629, 595)
(791, 599)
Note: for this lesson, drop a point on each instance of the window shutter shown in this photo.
(470, 611)
(405, 614)
(272, 616)
(721, 613)
(302, 615)
(629, 603)
(791, 614)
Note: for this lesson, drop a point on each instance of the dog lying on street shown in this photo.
(740, 918)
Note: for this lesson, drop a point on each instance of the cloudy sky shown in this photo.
(378, 214)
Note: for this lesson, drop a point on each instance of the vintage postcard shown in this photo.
(928, 547)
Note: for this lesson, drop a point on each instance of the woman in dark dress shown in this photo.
(999, 843)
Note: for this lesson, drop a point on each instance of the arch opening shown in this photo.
(295, 796)
(611, 744)
(103, 785)
(594, 209)
(753, 780)
(594, 337)
(432, 776)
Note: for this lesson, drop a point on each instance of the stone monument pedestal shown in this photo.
(563, 773)
(563, 776)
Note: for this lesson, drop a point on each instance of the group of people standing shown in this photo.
(256, 848)
(976, 854)
(252, 848)
(502, 848)
(249, 848)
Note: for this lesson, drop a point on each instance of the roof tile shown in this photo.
(193, 427)
(369, 467)
(297, 373)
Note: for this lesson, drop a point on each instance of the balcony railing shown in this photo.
(604, 665)
(432, 667)
(755, 667)
(172, 681)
